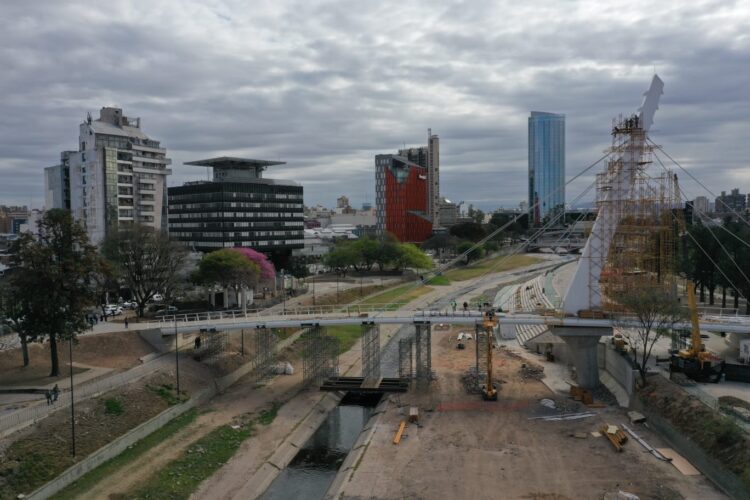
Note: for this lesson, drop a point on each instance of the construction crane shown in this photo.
(696, 362)
(489, 322)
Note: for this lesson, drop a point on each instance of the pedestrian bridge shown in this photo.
(386, 315)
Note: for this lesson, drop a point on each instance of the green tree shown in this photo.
(702, 251)
(228, 269)
(146, 261)
(15, 305)
(411, 256)
(650, 313)
(468, 231)
(341, 258)
(474, 253)
(53, 275)
(367, 249)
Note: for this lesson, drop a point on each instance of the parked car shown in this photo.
(113, 310)
(129, 304)
(167, 311)
(157, 297)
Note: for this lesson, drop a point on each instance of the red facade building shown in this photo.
(402, 199)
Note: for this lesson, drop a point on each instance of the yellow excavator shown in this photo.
(695, 361)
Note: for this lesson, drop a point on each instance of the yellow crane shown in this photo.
(696, 362)
(489, 322)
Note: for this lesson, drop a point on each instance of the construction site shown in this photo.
(537, 388)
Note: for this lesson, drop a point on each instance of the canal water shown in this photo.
(312, 470)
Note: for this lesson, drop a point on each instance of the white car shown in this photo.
(112, 310)
(157, 297)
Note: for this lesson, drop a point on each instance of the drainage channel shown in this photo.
(316, 464)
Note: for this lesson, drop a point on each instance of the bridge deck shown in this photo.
(360, 384)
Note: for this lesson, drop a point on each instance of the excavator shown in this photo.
(695, 361)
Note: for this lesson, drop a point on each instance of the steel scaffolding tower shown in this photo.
(320, 355)
(370, 351)
(405, 359)
(214, 346)
(423, 341)
(265, 352)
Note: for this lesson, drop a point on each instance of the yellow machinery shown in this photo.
(696, 362)
(489, 321)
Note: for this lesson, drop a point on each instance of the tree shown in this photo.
(411, 256)
(475, 254)
(228, 269)
(468, 231)
(649, 314)
(15, 307)
(341, 258)
(441, 242)
(145, 259)
(103, 281)
(58, 261)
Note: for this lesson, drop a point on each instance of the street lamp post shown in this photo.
(177, 357)
(72, 402)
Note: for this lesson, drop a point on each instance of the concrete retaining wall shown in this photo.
(728, 482)
(119, 445)
(618, 367)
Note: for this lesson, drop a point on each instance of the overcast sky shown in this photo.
(326, 85)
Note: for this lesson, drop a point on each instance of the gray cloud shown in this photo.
(326, 85)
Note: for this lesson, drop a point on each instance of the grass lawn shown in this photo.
(87, 481)
(495, 264)
(439, 281)
(347, 335)
(397, 297)
(181, 477)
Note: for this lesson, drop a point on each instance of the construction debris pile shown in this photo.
(473, 381)
(615, 435)
(529, 371)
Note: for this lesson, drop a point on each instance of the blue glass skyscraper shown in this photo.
(546, 166)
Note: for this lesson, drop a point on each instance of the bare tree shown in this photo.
(147, 262)
(649, 314)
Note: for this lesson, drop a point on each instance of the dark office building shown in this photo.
(238, 208)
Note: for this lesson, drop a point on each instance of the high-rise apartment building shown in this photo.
(115, 179)
(700, 205)
(729, 203)
(238, 208)
(428, 157)
(401, 198)
(546, 166)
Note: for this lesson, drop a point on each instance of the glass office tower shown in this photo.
(546, 166)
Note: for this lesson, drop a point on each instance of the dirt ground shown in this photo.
(467, 448)
(33, 456)
(118, 351)
(245, 396)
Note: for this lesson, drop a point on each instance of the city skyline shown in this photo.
(328, 95)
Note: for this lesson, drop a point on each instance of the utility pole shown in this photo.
(489, 393)
(283, 293)
(242, 342)
(72, 401)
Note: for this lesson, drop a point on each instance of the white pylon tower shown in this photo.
(614, 190)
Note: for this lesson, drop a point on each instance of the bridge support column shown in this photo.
(423, 344)
(582, 342)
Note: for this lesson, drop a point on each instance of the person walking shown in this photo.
(48, 395)
(55, 393)
(126, 323)
(454, 305)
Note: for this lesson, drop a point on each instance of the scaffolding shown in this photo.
(320, 355)
(265, 352)
(635, 245)
(423, 347)
(370, 351)
(405, 358)
(212, 345)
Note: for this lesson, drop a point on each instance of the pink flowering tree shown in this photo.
(267, 271)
